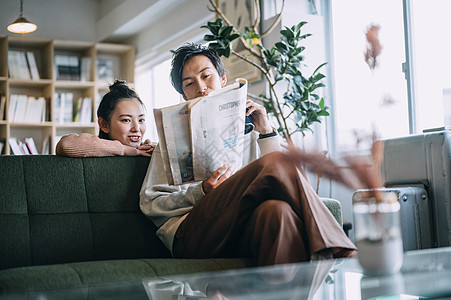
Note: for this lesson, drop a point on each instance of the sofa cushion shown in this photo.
(58, 210)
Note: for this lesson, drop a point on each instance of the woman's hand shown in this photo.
(146, 148)
(218, 177)
(259, 117)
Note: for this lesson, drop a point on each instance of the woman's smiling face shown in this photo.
(127, 122)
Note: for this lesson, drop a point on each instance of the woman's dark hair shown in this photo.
(118, 90)
(185, 52)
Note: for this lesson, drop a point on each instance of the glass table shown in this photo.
(425, 274)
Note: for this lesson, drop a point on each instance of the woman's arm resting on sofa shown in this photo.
(87, 145)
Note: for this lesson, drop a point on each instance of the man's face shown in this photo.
(200, 77)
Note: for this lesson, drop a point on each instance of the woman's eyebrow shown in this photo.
(128, 115)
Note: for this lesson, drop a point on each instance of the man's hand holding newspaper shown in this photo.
(202, 139)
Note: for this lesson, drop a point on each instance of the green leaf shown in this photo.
(320, 66)
(304, 36)
(318, 77)
(227, 52)
(225, 31)
(281, 47)
(298, 26)
(234, 36)
(287, 33)
(209, 38)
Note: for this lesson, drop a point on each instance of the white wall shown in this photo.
(177, 26)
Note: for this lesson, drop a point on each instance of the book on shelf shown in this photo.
(46, 146)
(17, 64)
(23, 64)
(57, 108)
(83, 111)
(23, 147)
(56, 139)
(35, 112)
(13, 67)
(2, 145)
(67, 67)
(78, 110)
(27, 109)
(63, 107)
(73, 67)
(31, 146)
(14, 145)
(12, 107)
(85, 69)
(32, 66)
(67, 107)
(105, 71)
(61, 67)
(48, 110)
(86, 111)
(201, 135)
(21, 107)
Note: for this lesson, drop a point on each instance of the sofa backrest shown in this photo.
(59, 209)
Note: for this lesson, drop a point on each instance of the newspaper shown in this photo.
(200, 135)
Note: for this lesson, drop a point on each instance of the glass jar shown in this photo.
(378, 233)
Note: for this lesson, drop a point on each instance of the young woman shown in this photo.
(122, 123)
(266, 210)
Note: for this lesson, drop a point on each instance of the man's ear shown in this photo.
(103, 125)
(223, 80)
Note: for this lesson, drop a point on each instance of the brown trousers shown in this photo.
(267, 211)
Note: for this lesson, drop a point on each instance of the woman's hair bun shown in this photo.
(118, 84)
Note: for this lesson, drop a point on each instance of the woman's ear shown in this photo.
(103, 125)
(223, 80)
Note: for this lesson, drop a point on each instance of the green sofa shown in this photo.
(75, 224)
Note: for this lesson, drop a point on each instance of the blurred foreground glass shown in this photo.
(378, 232)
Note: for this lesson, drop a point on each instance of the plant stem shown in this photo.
(257, 15)
(277, 21)
(274, 99)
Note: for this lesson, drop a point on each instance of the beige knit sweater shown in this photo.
(88, 145)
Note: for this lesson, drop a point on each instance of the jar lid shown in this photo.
(380, 195)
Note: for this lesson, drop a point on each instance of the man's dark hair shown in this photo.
(185, 52)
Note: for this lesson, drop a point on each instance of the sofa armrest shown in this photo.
(335, 208)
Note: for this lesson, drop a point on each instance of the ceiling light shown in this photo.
(22, 25)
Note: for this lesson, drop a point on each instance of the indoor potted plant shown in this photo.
(300, 105)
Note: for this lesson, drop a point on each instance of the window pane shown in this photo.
(362, 96)
(432, 49)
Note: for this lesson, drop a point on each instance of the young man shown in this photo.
(266, 210)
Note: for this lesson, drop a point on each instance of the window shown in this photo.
(431, 60)
(379, 101)
(368, 101)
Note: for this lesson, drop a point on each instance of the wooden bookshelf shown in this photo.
(99, 64)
